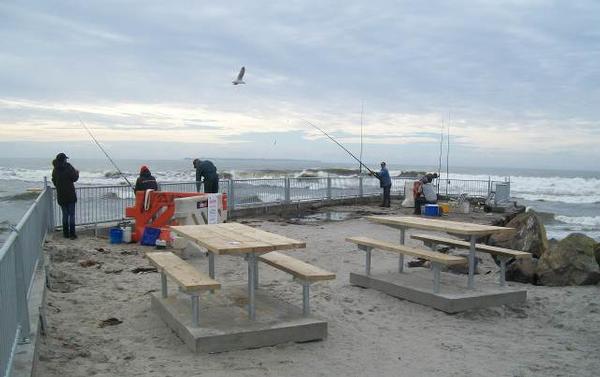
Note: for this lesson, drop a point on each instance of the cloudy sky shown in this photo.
(518, 82)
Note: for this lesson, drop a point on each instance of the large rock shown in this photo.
(530, 235)
(523, 270)
(572, 262)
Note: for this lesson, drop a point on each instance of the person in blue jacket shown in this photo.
(385, 182)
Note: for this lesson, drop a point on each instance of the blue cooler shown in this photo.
(150, 236)
(432, 210)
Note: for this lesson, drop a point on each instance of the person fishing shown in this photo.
(64, 176)
(385, 182)
(207, 170)
(145, 181)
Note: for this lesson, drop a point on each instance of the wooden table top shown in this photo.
(235, 238)
(439, 225)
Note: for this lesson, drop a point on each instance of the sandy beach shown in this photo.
(555, 333)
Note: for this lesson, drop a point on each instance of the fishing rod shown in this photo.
(106, 154)
(341, 146)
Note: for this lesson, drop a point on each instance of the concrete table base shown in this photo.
(224, 323)
(416, 285)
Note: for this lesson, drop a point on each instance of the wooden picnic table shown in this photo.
(237, 239)
(461, 228)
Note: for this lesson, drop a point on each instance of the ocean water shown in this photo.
(569, 200)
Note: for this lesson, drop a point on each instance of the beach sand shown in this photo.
(555, 333)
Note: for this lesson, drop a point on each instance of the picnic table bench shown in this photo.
(502, 253)
(190, 280)
(304, 272)
(437, 259)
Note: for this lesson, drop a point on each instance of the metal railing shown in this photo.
(99, 204)
(19, 258)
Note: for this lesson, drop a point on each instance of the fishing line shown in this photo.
(105, 153)
(341, 146)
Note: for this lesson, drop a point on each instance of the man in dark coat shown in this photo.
(207, 170)
(145, 181)
(64, 175)
(385, 182)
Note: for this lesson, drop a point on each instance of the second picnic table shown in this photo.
(237, 239)
(461, 228)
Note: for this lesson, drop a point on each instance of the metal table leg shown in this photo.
(195, 310)
(401, 258)
(251, 285)
(471, 281)
(163, 284)
(503, 271)
(306, 298)
(211, 267)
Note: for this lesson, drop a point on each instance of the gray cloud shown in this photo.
(530, 66)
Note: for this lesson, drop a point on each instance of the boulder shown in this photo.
(573, 261)
(523, 271)
(530, 235)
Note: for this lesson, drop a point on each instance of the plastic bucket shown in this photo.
(116, 235)
(150, 236)
(444, 207)
(126, 234)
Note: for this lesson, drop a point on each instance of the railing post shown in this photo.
(287, 195)
(21, 293)
(489, 186)
(231, 197)
(329, 188)
(50, 204)
(360, 186)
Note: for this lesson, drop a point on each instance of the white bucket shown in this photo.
(126, 234)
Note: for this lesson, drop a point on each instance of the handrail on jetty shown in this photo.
(106, 203)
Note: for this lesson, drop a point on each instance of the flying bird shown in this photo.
(240, 77)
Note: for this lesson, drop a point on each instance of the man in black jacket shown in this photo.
(207, 170)
(145, 181)
(64, 175)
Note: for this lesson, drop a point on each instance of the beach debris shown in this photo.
(144, 270)
(61, 253)
(60, 281)
(102, 250)
(87, 263)
(112, 321)
(129, 252)
(113, 270)
(417, 262)
(150, 291)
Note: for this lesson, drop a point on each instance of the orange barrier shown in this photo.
(161, 208)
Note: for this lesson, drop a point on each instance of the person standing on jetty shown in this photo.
(145, 181)
(207, 170)
(385, 182)
(64, 175)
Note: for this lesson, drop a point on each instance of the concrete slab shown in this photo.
(416, 285)
(224, 323)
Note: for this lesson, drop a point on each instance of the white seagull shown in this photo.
(240, 77)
